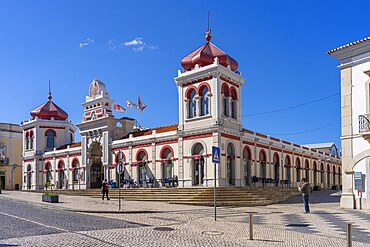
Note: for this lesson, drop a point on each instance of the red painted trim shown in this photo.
(227, 89)
(78, 162)
(296, 145)
(59, 163)
(306, 148)
(50, 130)
(232, 89)
(275, 149)
(229, 81)
(201, 86)
(142, 145)
(230, 136)
(262, 152)
(166, 142)
(246, 148)
(262, 146)
(287, 152)
(198, 136)
(53, 127)
(197, 81)
(188, 90)
(46, 165)
(164, 148)
(248, 142)
(122, 148)
(278, 157)
(289, 143)
(139, 151)
(27, 134)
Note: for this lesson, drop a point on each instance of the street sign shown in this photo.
(216, 154)
(120, 167)
(359, 181)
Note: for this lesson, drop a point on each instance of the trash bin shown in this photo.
(16, 187)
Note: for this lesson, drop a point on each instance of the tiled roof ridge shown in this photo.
(349, 45)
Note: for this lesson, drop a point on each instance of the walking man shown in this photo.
(305, 189)
(105, 189)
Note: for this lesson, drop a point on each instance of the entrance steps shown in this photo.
(226, 196)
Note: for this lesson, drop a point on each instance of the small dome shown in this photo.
(49, 110)
(206, 54)
(96, 88)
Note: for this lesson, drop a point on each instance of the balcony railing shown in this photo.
(364, 123)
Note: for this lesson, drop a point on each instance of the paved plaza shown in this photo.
(162, 224)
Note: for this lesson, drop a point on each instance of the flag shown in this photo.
(141, 105)
(118, 108)
(130, 104)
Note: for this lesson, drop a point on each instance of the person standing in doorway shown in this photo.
(305, 189)
(105, 189)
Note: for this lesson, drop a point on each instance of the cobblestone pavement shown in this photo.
(163, 224)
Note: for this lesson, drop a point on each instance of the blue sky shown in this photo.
(280, 47)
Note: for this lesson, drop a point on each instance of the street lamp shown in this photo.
(120, 171)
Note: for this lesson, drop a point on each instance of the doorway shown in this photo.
(96, 168)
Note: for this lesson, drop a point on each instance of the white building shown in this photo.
(210, 106)
(354, 68)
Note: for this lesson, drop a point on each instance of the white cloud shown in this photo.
(111, 44)
(86, 42)
(139, 45)
(134, 42)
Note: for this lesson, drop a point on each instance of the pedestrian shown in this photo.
(105, 189)
(305, 189)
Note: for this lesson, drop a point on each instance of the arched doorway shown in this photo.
(314, 174)
(288, 166)
(307, 166)
(96, 168)
(262, 158)
(142, 158)
(29, 177)
(298, 169)
(61, 175)
(198, 164)
(276, 168)
(48, 175)
(247, 166)
(230, 162)
(334, 173)
(322, 174)
(167, 163)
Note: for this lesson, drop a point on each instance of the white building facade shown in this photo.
(354, 68)
(210, 109)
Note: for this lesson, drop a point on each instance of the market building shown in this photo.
(210, 108)
(354, 68)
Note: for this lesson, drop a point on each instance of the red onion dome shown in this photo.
(206, 54)
(49, 110)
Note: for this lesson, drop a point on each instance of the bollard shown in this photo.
(349, 235)
(250, 226)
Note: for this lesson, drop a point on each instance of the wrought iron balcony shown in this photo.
(364, 126)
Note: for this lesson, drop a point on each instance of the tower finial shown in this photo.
(49, 97)
(208, 32)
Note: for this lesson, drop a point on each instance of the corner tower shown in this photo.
(209, 89)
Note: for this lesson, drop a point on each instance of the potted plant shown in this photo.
(49, 196)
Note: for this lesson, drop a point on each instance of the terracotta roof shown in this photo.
(49, 110)
(146, 132)
(71, 145)
(206, 54)
(349, 45)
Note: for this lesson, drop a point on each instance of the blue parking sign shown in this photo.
(216, 154)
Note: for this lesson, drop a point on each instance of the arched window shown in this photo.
(50, 138)
(225, 94)
(49, 177)
(233, 104)
(31, 140)
(192, 106)
(204, 101)
(298, 167)
(26, 140)
(141, 160)
(75, 166)
(167, 164)
(262, 158)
